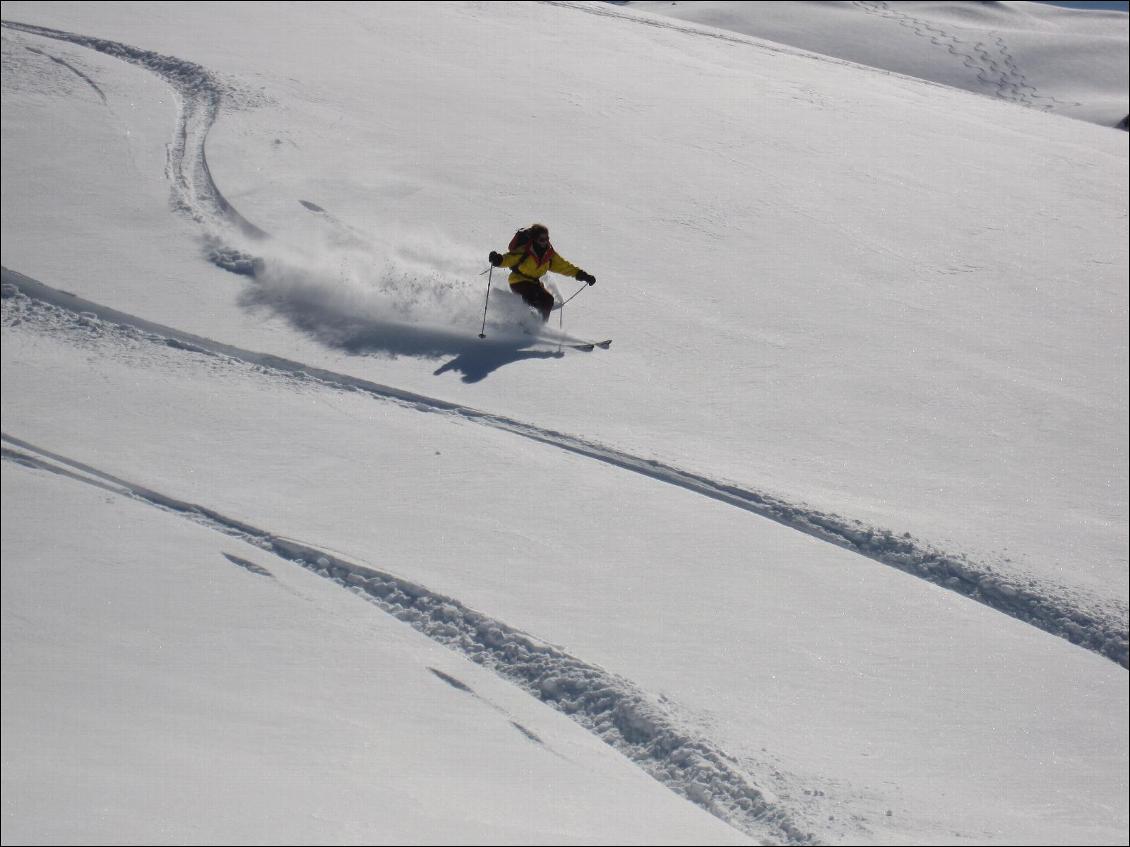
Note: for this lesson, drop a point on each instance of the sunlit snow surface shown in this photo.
(1067, 61)
(830, 544)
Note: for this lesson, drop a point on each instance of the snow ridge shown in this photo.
(1081, 620)
(199, 95)
(634, 723)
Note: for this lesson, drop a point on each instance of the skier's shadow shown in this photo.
(475, 359)
(477, 363)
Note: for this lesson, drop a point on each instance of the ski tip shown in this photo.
(604, 345)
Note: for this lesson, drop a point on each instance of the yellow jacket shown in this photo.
(526, 267)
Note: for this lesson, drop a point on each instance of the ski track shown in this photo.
(199, 96)
(1052, 608)
(72, 69)
(632, 722)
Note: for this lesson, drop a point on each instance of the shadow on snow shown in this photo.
(472, 357)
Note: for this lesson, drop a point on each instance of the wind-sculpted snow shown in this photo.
(1082, 620)
(626, 718)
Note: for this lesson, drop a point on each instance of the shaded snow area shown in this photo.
(312, 533)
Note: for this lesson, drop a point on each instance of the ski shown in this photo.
(571, 342)
(588, 346)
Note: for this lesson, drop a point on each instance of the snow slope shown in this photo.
(1073, 62)
(272, 221)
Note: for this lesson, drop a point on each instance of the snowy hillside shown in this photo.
(1073, 62)
(830, 545)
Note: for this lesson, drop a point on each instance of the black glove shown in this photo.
(495, 258)
(584, 277)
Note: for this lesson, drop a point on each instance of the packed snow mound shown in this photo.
(1071, 62)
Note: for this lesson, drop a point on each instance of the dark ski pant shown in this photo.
(535, 295)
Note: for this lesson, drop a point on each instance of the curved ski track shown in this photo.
(612, 708)
(199, 96)
(64, 63)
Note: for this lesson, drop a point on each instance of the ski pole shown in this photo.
(575, 293)
(483, 333)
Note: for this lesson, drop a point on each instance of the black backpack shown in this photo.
(523, 240)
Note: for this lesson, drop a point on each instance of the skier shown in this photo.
(529, 257)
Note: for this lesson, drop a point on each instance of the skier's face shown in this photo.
(542, 239)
